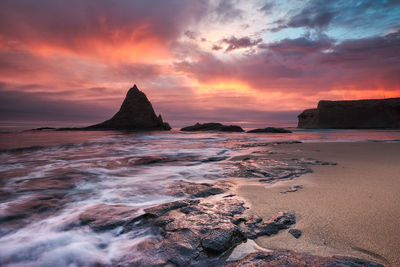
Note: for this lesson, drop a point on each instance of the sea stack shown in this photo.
(353, 114)
(136, 114)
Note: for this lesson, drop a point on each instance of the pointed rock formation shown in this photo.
(353, 114)
(136, 114)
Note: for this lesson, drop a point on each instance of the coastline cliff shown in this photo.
(352, 114)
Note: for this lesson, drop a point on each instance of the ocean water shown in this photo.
(48, 178)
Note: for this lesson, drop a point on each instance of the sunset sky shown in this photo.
(254, 62)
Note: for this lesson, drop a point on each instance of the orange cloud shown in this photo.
(113, 50)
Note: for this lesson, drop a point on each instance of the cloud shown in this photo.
(307, 18)
(227, 12)
(96, 27)
(267, 7)
(80, 56)
(20, 105)
(66, 72)
(315, 15)
(216, 47)
(321, 15)
(302, 46)
(190, 34)
(308, 66)
(238, 43)
(369, 62)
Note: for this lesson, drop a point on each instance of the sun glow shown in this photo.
(229, 86)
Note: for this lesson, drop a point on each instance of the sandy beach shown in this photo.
(347, 209)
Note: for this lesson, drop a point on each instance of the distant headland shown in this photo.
(352, 114)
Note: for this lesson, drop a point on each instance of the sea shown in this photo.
(48, 178)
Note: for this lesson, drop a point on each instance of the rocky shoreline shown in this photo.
(202, 228)
(205, 227)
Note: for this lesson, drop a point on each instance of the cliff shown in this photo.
(353, 114)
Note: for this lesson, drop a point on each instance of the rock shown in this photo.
(296, 233)
(200, 233)
(212, 126)
(17, 214)
(292, 189)
(353, 114)
(103, 217)
(183, 188)
(164, 208)
(31, 206)
(270, 130)
(280, 259)
(47, 183)
(191, 232)
(44, 129)
(221, 239)
(270, 170)
(136, 114)
(255, 226)
(307, 118)
(194, 232)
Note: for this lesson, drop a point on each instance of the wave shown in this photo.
(54, 147)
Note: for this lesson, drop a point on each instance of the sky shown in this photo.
(252, 63)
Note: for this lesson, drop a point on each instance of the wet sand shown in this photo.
(348, 209)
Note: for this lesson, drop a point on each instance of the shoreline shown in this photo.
(210, 222)
(349, 209)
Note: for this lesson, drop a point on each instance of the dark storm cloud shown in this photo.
(237, 43)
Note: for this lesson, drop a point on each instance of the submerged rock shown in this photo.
(353, 114)
(270, 130)
(103, 217)
(136, 114)
(19, 213)
(212, 126)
